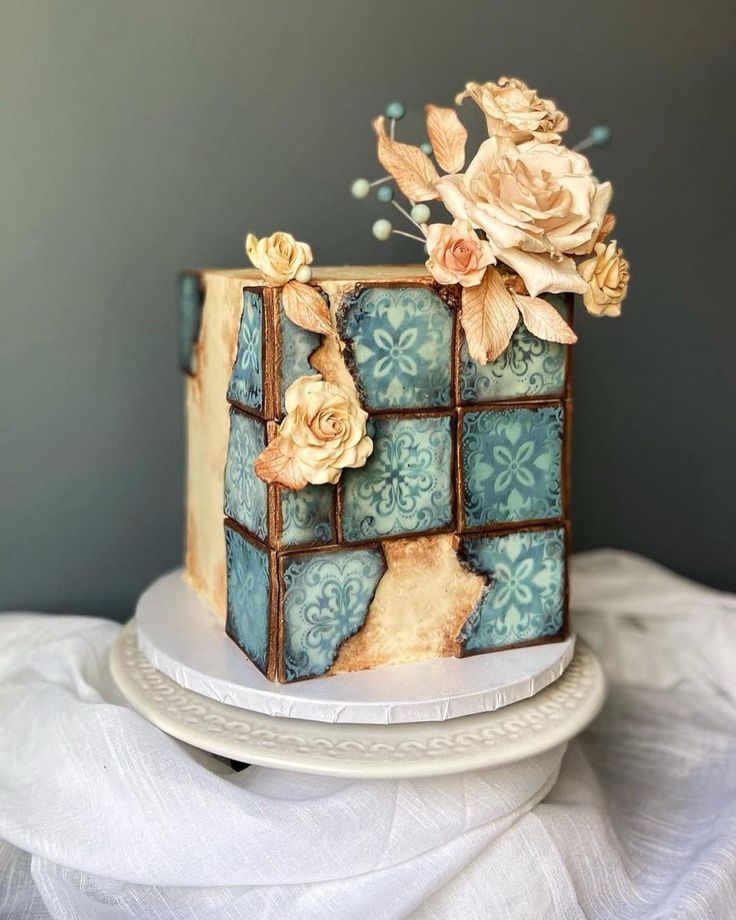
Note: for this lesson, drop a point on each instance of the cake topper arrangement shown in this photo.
(526, 217)
(524, 204)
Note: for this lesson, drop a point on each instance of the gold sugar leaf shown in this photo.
(413, 171)
(276, 464)
(542, 320)
(447, 137)
(489, 317)
(306, 308)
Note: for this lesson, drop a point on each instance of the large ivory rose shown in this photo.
(513, 110)
(279, 257)
(456, 254)
(537, 203)
(323, 432)
(607, 274)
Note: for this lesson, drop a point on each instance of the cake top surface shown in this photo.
(321, 273)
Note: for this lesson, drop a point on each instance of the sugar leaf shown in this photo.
(306, 308)
(447, 136)
(542, 320)
(489, 316)
(276, 464)
(412, 169)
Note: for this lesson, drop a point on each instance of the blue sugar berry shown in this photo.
(600, 134)
(395, 110)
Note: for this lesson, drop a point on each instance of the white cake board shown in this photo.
(490, 739)
(184, 640)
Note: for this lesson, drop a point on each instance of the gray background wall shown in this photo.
(142, 137)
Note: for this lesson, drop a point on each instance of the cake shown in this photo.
(378, 457)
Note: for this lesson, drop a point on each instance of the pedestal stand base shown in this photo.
(516, 732)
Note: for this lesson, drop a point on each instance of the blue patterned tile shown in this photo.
(525, 598)
(326, 599)
(528, 367)
(191, 301)
(512, 464)
(245, 494)
(297, 345)
(406, 485)
(306, 515)
(248, 596)
(246, 382)
(401, 346)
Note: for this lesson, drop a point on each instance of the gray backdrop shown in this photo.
(142, 137)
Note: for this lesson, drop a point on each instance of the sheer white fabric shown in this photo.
(104, 816)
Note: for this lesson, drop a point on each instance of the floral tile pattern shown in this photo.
(406, 484)
(401, 340)
(525, 599)
(245, 494)
(246, 382)
(248, 596)
(191, 301)
(528, 367)
(512, 462)
(307, 515)
(326, 599)
(297, 345)
(402, 344)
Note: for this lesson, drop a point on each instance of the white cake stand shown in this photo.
(184, 640)
(515, 732)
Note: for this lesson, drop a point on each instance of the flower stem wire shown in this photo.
(408, 216)
(410, 236)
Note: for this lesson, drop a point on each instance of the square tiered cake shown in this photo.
(378, 458)
(450, 540)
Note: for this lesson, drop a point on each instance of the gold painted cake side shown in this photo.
(208, 426)
(423, 574)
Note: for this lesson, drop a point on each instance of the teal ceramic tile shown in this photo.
(512, 464)
(401, 346)
(245, 493)
(191, 302)
(248, 596)
(525, 597)
(326, 599)
(528, 367)
(297, 345)
(406, 485)
(306, 515)
(246, 381)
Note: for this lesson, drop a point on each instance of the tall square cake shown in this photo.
(378, 457)
(450, 540)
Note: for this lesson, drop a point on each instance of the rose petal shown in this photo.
(542, 273)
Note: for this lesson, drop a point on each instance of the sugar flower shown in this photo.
(457, 255)
(323, 433)
(538, 205)
(514, 111)
(607, 274)
(280, 257)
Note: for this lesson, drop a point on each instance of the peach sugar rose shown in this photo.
(607, 274)
(513, 110)
(280, 257)
(537, 203)
(457, 255)
(323, 433)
